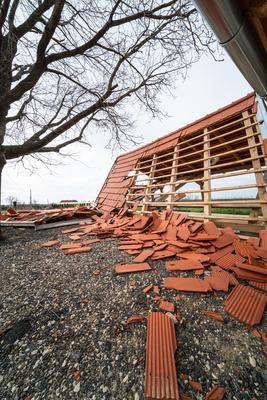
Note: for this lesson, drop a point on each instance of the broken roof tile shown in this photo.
(66, 246)
(229, 260)
(77, 250)
(127, 268)
(196, 386)
(50, 243)
(252, 268)
(216, 393)
(246, 304)
(244, 248)
(183, 265)
(219, 281)
(162, 254)
(130, 247)
(166, 306)
(143, 256)
(135, 318)
(160, 372)
(224, 240)
(183, 232)
(193, 256)
(147, 288)
(213, 314)
(187, 284)
(259, 285)
(210, 228)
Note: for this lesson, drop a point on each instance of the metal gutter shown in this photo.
(230, 21)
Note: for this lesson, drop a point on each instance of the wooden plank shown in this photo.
(174, 169)
(150, 176)
(206, 174)
(256, 164)
(201, 135)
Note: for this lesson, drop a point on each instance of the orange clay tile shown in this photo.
(190, 255)
(132, 252)
(183, 232)
(219, 281)
(75, 237)
(160, 371)
(220, 253)
(178, 297)
(213, 314)
(262, 252)
(71, 230)
(259, 285)
(185, 397)
(249, 275)
(180, 244)
(256, 333)
(127, 268)
(66, 246)
(216, 393)
(199, 272)
(158, 255)
(224, 240)
(135, 318)
(196, 226)
(148, 244)
(196, 386)
(51, 243)
(211, 229)
(244, 248)
(90, 241)
(182, 265)
(187, 284)
(204, 237)
(130, 247)
(156, 289)
(78, 250)
(147, 288)
(143, 256)
(160, 247)
(246, 304)
(229, 261)
(252, 268)
(166, 306)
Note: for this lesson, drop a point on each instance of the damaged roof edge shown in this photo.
(242, 30)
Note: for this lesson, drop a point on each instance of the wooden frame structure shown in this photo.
(221, 149)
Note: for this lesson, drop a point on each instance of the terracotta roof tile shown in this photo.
(213, 314)
(224, 240)
(78, 250)
(244, 249)
(160, 371)
(183, 232)
(187, 284)
(196, 386)
(147, 288)
(166, 306)
(261, 252)
(130, 247)
(252, 268)
(50, 243)
(162, 254)
(229, 261)
(66, 246)
(259, 285)
(216, 393)
(220, 253)
(246, 304)
(135, 318)
(193, 256)
(183, 265)
(127, 268)
(211, 229)
(249, 275)
(219, 281)
(143, 256)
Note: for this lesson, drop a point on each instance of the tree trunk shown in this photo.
(2, 164)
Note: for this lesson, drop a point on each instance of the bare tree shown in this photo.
(68, 68)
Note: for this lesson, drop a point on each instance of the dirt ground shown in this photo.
(63, 331)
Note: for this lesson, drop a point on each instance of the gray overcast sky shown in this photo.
(209, 85)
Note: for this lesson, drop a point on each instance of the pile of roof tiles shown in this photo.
(219, 259)
(49, 215)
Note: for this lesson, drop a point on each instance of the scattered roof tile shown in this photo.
(224, 240)
(216, 393)
(127, 268)
(135, 318)
(147, 288)
(160, 371)
(166, 306)
(143, 256)
(50, 243)
(187, 284)
(246, 304)
(183, 265)
(196, 386)
(213, 314)
(78, 250)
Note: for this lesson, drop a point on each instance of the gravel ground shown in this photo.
(61, 318)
